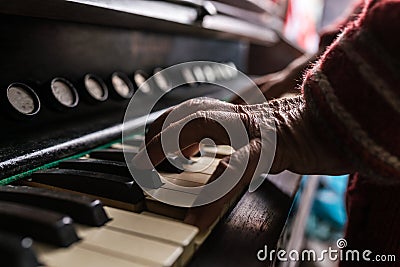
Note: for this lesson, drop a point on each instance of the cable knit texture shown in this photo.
(354, 94)
(357, 90)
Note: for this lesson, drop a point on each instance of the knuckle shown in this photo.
(191, 103)
(201, 114)
(255, 146)
(256, 143)
(237, 108)
(197, 102)
(243, 109)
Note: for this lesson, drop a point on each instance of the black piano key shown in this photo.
(171, 165)
(152, 179)
(98, 165)
(149, 178)
(47, 226)
(16, 251)
(112, 154)
(81, 208)
(120, 188)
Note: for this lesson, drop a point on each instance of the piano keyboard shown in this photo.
(69, 70)
(131, 229)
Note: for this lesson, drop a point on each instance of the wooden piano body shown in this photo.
(42, 40)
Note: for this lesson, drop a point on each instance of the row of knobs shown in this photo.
(23, 102)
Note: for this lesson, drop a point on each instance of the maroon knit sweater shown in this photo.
(354, 93)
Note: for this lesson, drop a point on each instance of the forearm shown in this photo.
(301, 147)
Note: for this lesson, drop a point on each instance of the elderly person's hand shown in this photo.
(298, 148)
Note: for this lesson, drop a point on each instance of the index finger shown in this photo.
(183, 110)
(189, 131)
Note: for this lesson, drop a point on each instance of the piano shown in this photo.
(68, 71)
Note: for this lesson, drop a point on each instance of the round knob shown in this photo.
(21, 101)
(188, 76)
(63, 94)
(199, 74)
(95, 89)
(140, 78)
(123, 87)
(218, 72)
(160, 80)
(209, 73)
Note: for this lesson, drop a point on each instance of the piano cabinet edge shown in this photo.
(257, 220)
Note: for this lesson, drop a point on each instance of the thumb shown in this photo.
(242, 162)
(229, 167)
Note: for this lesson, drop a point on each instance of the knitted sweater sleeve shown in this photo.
(353, 91)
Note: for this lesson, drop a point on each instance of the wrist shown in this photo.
(301, 147)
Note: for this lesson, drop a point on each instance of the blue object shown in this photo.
(328, 213)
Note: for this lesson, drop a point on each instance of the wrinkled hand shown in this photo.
(298, 148)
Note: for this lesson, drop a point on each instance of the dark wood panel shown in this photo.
(257, 220)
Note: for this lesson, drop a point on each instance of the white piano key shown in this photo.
(155, 215)
(204, 164)
(196, 177)
(176, 195)
(157, 207)
(135, 248)
(156, 228)
(180, 182)
(80, 256)
(164, 230)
